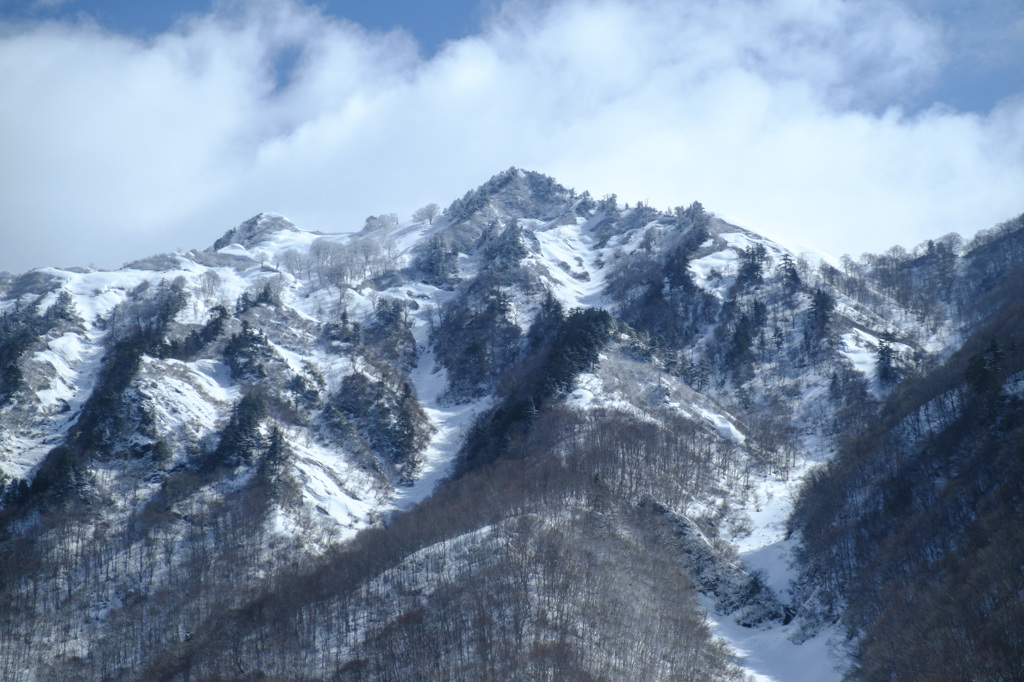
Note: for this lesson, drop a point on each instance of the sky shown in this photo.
(128, 129)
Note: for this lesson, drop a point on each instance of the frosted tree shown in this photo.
(426, 214)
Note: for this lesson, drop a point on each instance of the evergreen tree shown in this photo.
(406, 444)
(790, 275)
(742, 339)
(244, 353)
(505, 249)
(275, 458)
(752, 262)
(886, 355)
(439, 261)
(241, 441)
(577, 346)
(823, 304)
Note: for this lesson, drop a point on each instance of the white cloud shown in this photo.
(115, 148)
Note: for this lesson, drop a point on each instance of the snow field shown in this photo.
(770, 656)
(332, 486)
(564, 245)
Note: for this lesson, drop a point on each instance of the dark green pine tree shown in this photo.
(790, 275)
(275, 458)
(406, 445)
(241, 441)
(886, 357)
(822, 306)
(752, 262)
(742, 338)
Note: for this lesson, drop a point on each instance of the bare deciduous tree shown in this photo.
(426, 214)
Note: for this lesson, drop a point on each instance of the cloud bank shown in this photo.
(785, 114)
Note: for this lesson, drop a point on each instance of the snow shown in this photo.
(587, 392)
(809, 253)
(450, 422)
(768, 653)
(190, 396)
(196, 396)
(20, 455)
(739, 240)
(726, 429)
(97, 293)
(64, 354)
(235, 250)
(219, 384)
(860, 348)
(765, 547)
(770, 656)
(331, 485)
(409, 235)
(713, 271)
(73, 362)
(564, 245)
(284, 240)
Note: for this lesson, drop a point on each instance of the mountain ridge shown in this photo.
(337, 386)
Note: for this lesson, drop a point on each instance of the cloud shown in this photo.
(786, 114)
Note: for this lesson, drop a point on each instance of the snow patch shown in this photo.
(861, 349)
(64, 354)
(714, 272)
(726, 429)
(576, 279)
(770, 656)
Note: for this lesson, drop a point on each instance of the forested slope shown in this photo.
(915, 531)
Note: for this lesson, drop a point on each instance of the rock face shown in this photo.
(491, 443)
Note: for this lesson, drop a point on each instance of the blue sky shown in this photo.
(130, 128)
(432, 23)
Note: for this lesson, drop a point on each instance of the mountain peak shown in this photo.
(514, 193)
(254, 230)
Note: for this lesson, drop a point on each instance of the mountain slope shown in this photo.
(446, 444)
(917, 520)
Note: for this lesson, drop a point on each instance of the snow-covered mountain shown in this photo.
(485, 441)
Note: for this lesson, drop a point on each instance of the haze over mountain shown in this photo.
(536, 435)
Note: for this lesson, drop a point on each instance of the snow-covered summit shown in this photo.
(254, 230)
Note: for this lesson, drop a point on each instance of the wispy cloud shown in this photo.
(785, 114)
(50, 3)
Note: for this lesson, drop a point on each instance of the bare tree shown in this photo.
(384, 222)
(426, 214)
(292, 261)
(210, 282)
